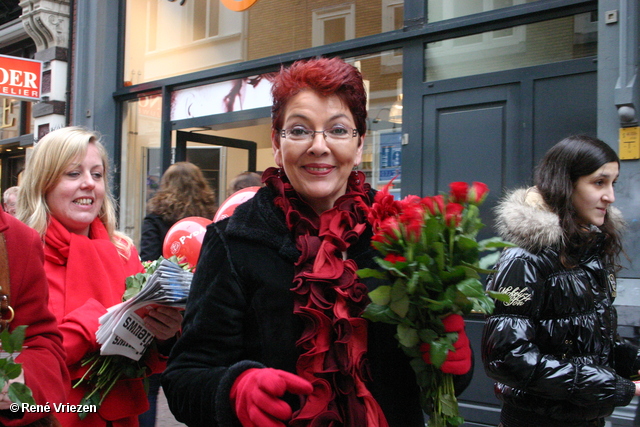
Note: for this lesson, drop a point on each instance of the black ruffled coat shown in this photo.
(553, 349)
(240, 315)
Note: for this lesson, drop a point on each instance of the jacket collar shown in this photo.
(260, 220)
(524, 219)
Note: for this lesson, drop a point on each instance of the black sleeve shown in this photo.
(208, 357)
(151, 240)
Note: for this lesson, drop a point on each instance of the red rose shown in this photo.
(379, 213)
(395, 258)
(412, 220)
(459, 192)
(477, 193)
(439, 200)
(434, 205)
(384, 206)
(429, 205)
(409, 201)
(388, 231)
(453, 214)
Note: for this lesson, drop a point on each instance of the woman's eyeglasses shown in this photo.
(336, 134)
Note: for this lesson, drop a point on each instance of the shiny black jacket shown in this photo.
(553, 348)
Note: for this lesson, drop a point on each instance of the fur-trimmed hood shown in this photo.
(524, 219)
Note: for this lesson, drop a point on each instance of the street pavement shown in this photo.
(164, 417)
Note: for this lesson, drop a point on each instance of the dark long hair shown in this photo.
(556, 177)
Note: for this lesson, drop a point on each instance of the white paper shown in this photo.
(122, 330)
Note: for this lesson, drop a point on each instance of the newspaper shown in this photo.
(122, 330)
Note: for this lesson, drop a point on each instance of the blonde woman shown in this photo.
(65, 197)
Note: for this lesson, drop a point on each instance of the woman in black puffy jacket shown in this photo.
(553, 349)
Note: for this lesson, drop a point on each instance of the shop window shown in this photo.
(140, 160)
(197, 20)
(392, 19)
(224, 97)
(170, 38)
(447, 9)
(517, 47)
(166, 38)
(333, 24)
(205, 19)
(381, 157)
(11, 113)
(585, 28)
(499, 42)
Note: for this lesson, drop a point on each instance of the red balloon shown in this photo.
(239, 197)
(184, 239)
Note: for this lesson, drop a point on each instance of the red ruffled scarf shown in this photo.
(330, 299)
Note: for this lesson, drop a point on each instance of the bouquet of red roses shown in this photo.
(430, 256)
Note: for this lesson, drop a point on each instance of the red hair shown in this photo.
(326, 76)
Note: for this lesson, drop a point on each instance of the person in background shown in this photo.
(9, 200)
(65, 197)
(43, 358)
(273, 333)
(183, 192)
(244, 180)
(553, 349)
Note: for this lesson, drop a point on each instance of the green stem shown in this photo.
(113, 383)
(89, 373)
(94, 358)
(410, 252)
(105, 364)
(451, 244)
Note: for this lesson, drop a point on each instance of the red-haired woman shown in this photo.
(273, 333)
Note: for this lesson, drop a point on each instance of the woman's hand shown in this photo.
(458, 361)
(163, 322)
(256, 394)
(5, 401)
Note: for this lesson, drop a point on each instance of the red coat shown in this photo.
(43, 357)
(77, 303)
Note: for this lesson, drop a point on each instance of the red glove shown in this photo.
(255, 396)
(458, 361)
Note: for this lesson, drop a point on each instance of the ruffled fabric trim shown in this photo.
(330, 299)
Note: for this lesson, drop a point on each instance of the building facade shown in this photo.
(458, 91)
(16, 123)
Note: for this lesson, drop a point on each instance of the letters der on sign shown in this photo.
(20, 78)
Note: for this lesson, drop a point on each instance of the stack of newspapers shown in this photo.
(122, 330)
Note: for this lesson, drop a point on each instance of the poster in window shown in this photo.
(390, 157)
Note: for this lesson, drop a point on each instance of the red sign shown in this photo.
(20, 77)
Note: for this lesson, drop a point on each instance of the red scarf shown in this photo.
(94, 269)
(330, 299)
